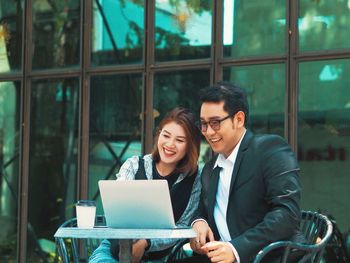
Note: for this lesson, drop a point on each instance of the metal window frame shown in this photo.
(148, 68)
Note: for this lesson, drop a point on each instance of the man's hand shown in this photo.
(204, 233)
(218, 251)
(138, 249)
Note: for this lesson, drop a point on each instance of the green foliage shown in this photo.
(197, 6)
(8, 249)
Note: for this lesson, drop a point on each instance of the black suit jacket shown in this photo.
(264, 198)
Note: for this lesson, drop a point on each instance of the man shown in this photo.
(250, 189)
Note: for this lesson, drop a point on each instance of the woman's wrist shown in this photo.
(144, 243)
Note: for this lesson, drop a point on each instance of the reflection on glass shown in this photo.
(182, 29)
(11, 16)
(324, 25)
(324, 137)
(265, 86)
(173, 89)
(254, 28)
(117, 32)
(53, 160)
(56, 33)
(9, 168)
(115, 125)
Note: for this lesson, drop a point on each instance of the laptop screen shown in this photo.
(140, 204)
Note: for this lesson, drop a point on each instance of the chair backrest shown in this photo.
(338, 248)
(78, 250)
(317, 230)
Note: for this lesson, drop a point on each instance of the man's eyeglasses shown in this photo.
(214, 124)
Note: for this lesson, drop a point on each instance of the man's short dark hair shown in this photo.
(234, 98)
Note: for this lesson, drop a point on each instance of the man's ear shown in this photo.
(240, 117)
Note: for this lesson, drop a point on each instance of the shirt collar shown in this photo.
(220, 161)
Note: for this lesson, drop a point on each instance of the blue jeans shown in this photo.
(103, 255)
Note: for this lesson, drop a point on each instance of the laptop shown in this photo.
(137, 204)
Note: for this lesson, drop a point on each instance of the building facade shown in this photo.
(83, 83)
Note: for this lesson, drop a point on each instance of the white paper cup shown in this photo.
(86, 211)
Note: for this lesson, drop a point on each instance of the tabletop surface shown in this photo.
(119, 233)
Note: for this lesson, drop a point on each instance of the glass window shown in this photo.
(9, 168)
(11, 16)
(180, 88)
(265, 86)
(254, 28)
(324, 25)
(53, 161)
(56, 34)
(182, 29)
(324, 137)
(115, 126)
(117, 32)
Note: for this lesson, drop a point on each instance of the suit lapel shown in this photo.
(240, 155)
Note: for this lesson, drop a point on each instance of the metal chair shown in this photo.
(78, 250)
(337, 249)
(178, 251)
(317, 230)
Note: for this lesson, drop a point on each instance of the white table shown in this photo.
(125, 236)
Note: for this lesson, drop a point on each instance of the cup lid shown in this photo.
(86, 203)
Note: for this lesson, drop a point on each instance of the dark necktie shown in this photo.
(214, 184)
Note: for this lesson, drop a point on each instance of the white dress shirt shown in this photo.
(223, 192)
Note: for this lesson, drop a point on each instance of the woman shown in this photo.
(174, 158)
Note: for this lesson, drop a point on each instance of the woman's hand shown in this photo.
(138, 249)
